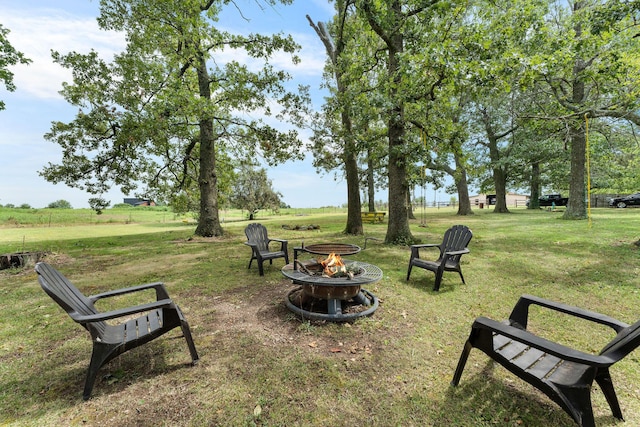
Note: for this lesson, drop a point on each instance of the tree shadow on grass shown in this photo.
(483, 399)
(58, 380)
(425, 282)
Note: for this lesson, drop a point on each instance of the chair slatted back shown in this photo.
(67, 296)
(257, 233)
(456, 238)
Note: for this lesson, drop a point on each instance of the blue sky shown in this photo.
(38, 26)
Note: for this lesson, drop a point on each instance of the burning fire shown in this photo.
(333, 264)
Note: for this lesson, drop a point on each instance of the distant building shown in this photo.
(138, 202)
(512, 199)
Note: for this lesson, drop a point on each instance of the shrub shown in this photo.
(60, 204)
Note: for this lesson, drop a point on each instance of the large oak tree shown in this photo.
(590, 67)
(335, 42)
(159, 115)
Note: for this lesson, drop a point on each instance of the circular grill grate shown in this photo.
(328, 248)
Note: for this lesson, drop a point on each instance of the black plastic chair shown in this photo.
(110, 340)
(259, 241)
(562, 373)
(453, 246)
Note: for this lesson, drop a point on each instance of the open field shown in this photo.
(261, 365)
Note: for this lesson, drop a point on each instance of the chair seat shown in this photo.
(433, 265)
(133, 330)
(538, 364)
(272, 255)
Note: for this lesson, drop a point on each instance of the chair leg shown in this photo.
(461, 276)
(605, 383)
(461, 363)
(186, 331)
(578, 404)
(436, 285)
(409, 270)
(99, 354)
(260, 267)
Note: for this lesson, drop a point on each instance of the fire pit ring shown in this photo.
(328, 248)
(335, 307)
(335, 296)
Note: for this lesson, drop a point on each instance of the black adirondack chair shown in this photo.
(111, 340)
(562, 373)
(259, 241)
(453, 246)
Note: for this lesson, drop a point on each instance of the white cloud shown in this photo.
(39, 32)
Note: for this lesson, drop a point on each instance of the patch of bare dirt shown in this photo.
(261, 312)
(258, 311)
(200, 239)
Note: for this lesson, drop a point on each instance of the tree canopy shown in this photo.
(500, 96)
(156, 118)
(8, 56)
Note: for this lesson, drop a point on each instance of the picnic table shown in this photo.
(372, 217)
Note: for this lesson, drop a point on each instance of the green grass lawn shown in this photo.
(261, 365)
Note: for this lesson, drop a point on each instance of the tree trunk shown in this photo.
(398, 231)
(350, 153)
(499, 172)
(410, 214)
(354, 219)
(576, 207)
(500, 182)
(460, 177)
(534, 203)
(209, 221)
(371, 189)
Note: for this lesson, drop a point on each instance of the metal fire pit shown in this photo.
(335, 299)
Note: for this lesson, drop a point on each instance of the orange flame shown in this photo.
(333, 264)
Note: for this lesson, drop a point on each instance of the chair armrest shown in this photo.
(283, 243)
(561, 351)
(415, 249)
(426, 245)
(114, 314)
(454, 253)
(520, 312)
(161, 292)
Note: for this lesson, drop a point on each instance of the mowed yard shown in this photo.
(262, 365)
